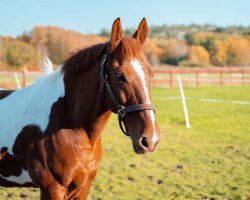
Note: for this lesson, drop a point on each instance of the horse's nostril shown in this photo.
(144, 142)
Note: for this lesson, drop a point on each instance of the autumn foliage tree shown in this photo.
(18, 53)
(174, 45)
(174, 51)
(197, 56)
(58, 43)
(3, 64)
(238, 51)
(153, 51)
(218, 53)
(224, 49)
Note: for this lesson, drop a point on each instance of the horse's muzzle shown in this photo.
(145, 145)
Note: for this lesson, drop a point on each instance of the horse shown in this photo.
(50, 131)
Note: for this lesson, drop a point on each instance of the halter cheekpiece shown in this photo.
(121, 110)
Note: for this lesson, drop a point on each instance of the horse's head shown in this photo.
(129, 75)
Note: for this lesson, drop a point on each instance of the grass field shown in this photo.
(8, 82)
(209, 161)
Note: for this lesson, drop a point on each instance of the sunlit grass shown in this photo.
(209, 161)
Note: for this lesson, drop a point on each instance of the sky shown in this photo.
(90, 16)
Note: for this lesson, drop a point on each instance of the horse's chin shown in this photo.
(137, 148)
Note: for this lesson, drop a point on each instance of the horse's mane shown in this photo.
(128, 48)
(81, 60)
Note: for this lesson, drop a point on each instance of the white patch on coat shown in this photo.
(139, 71)
(155, 137)
(29, 106)
(23, 178)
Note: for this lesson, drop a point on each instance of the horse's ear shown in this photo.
(142, 31)
(116, 33)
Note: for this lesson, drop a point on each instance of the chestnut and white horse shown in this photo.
(50, 131)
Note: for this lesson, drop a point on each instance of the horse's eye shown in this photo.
(120, 77)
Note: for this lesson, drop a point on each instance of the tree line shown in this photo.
(193, 45)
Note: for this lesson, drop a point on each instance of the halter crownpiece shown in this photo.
(122, 111)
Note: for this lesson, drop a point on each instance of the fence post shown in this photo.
(197, 77)
(183, 102)
(221, 77)
(243, 77)
(24, 71)
(170, 78)
(17, 81)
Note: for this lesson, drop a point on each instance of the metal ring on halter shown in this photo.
(121, 112)
(122, 127)
(104, 77)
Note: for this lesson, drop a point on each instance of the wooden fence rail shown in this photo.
(163, 77)
(197, 77)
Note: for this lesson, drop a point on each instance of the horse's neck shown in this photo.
(85, 102)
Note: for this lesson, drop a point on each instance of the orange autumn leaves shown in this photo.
(190, 48)
(55, 42)
(203, 49)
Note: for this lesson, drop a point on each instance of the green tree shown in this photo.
(18, 53)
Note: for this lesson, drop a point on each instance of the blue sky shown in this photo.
(89, 16)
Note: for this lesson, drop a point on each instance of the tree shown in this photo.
(58, 42)
(18, 53)
(197, 56)
(3, 64)
(238, 51)
(39, 40)
(152, 51)
(25, 37)
(218, 53)
(174, 51)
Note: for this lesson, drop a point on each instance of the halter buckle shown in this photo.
(104, 77)
(121, 112)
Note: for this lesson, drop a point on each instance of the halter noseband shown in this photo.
(121, 110)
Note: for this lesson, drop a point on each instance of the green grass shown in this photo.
(209, 161)
(11, 79)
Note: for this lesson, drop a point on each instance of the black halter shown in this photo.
(121, 110)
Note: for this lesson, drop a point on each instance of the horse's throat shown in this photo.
(98, 126)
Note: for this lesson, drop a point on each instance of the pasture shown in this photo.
(209, 161)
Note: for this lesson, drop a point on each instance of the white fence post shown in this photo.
(17, 81)
(183, 102)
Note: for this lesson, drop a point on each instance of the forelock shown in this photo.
(128, 49)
